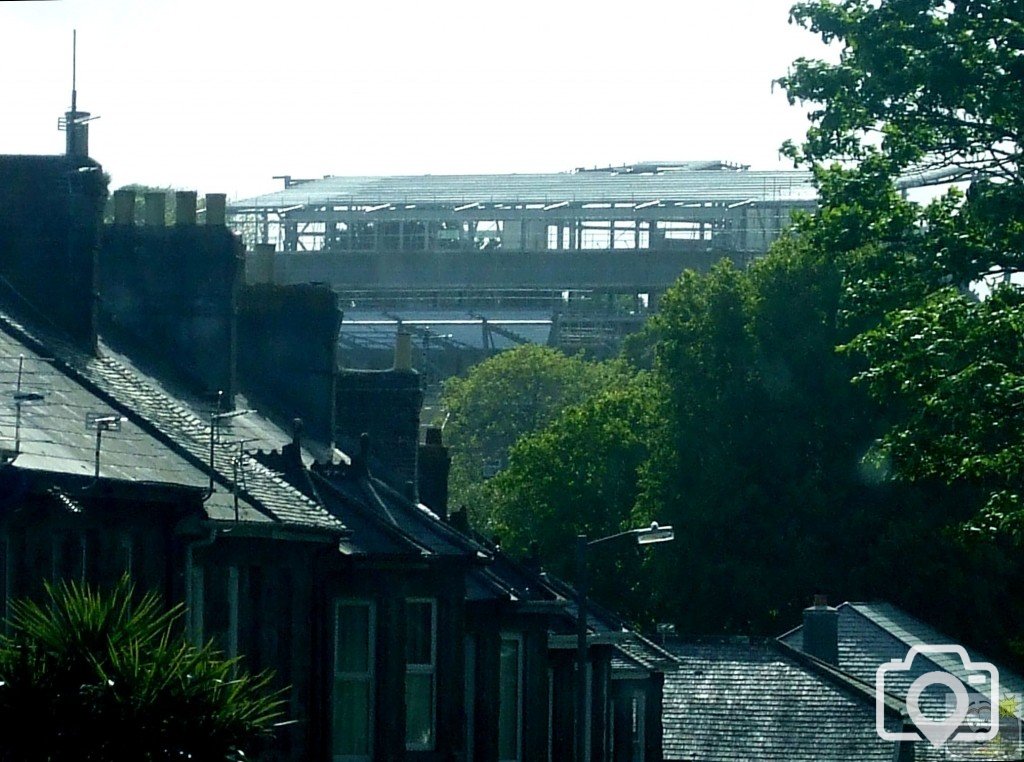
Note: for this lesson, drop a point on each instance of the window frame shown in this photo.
(519, 640)
(370, 676)
(424, 669)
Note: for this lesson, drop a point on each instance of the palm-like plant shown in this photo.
(88, 676)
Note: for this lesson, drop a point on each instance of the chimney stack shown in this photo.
(386, 404)
(821, 631)
(185, 208)
(434, 465)
(51, 213)
(155, 209)
(124, 207)
(216, 208)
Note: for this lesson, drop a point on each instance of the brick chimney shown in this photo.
(288, 350)
(386, 405)
(51, 211)
(168, 294)
(821, 631)
(434, 465)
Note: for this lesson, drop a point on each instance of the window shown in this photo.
(638, 711)
(219, 615)
(68, 557)
(420, 657)
(510, 698)
(551, 714)
(353, 689)
(470, 697)
(213, 607)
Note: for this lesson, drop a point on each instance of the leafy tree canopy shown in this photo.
(507, 396)
(580, 475)
(933, 84)
(933, 81)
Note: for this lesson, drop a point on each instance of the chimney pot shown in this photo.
(124, 207)
(216, 208)
(156, 209)
(185, 208)
(403, 351)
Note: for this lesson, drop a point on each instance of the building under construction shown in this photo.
(473, 263)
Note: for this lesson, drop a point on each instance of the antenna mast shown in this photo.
(74, 72)
(75, 122)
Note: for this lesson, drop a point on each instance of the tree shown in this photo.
(937, 82)
(505, 397)
(580, 475)
(87, 676)
(760, 469)
(947, 365)
(934, 84)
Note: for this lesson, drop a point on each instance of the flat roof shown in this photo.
(696, 186)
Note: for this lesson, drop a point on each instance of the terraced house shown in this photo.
(163, 419)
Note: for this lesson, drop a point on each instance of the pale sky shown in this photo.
(217, 95)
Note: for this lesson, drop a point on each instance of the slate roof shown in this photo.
(758, 700)
(392, 523)
(872, 634)
(162, 440)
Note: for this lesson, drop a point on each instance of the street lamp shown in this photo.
(643, 536)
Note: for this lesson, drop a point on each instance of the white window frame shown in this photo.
(370, 676)
(515, 637)
(427, 669)
(469, 642)
(551, 714)
(588, 711)
(638, 728)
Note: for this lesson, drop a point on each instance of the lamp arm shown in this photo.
(609, 538)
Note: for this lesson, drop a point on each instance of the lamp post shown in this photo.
(643, 536)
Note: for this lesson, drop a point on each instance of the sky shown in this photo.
(221, 96)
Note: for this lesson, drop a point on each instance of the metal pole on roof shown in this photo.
(581, 647)
(642, 536)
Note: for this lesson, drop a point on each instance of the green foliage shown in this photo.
(933, 83)
(917, 80)
(509, 395)
(87, 676)
(947, 365)
(760, 472)
(780, 475)
(580, 475)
